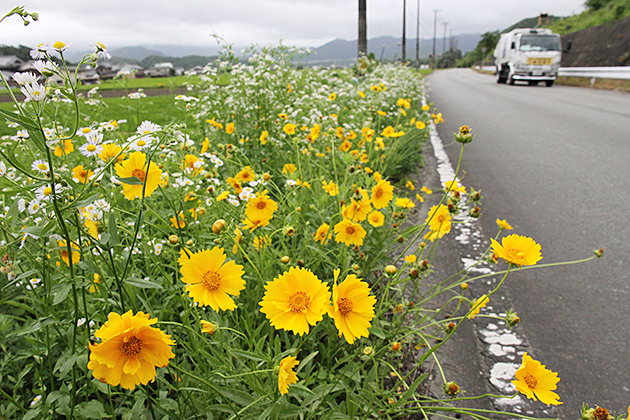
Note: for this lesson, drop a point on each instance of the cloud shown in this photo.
(245, 22)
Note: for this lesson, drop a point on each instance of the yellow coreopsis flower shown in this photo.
(229, 128)
(178, 222)
(349, 233)
(260, 207)
(205, 145)
(295, 300)
(376, 218)
(321, 234)
(426, 107)
(388, 131)
(380, 145)
(224, 195)
(404, 203)
(253, 224)
(245, 175)
(210, 280)
(410, 185)
(477, 305)
(238, 236)
(420, 125)
(535, 380)
(452, 186)
(331, 188)
(289, 129)
(345, 146)
(411, 258)
(518, 250)
(382, 193)
(352, 307)
(81, 175)
(263, 137)
(135, 166)
(504, 225)
(289, 168)
(110, 151)
(63, 251)
(357, 210)
(426, 190)
(332, 96)
(63, 148)
(129, 351)
(314, 132)
(286, 376)
(381, 113)
(439, 220)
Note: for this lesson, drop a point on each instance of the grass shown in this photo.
(614, 10)
(158, 109)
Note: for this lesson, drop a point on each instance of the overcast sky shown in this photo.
(303, 23)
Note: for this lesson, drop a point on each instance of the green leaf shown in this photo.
(132, 180)
(19, 119)
(37, 138)
(412, 388)
(142, 283)
(86, 201)
(37, 325)
(65, 363)
(91, 410)
(112, 229)
(377, 332)
(247, 355)
(32, 414)
(61, 292)
(239, 397)
(306, 361)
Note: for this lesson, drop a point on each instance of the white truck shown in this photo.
(530, 55)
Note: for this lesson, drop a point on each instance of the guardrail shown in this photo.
(596, 72)
(621, 72)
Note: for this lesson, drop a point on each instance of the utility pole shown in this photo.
(404, 34)
(418, 37)
(435, 12)
(362, 44)
(444, 43)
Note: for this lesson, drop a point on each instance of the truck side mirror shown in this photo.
(513, 46)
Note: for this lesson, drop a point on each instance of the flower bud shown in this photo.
(475, 212)
(208, 327)
(449, 327)
(189, 242)
(464, 135)
(355, 267)
(35, 16)
(599, 252)
(266, 176)
(218, 226)
(173, 239)
(201, 211)
(512, 319)
(464, 286)
(285, 259)
(414, 273)
(451, 388)
(300, 263)
(395, 346)
(367, 350)
(289, 231)
(475, 196)
(391, 270)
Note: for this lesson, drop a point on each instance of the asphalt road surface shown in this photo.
(555, 162)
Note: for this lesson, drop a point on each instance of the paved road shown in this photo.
(555, 162)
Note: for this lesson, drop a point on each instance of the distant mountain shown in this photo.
(134, 53)
(342, 52)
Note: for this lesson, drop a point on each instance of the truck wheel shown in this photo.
(510, 79)
(533, 83)
(549, 83)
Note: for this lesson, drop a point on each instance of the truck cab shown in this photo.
(530, 55)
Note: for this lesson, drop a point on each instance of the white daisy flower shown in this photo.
(45, 192)
(34, 92)
(21, 205)
(102, 205)
(24, 78)
(139, 143)
(41, 51)
(157, 248)
(36, 400)
(291, 182)
(3, 169)
(41, 166)
(91, 149)
(46, 68)
(148, 127)
(34, 206)
(233, 200)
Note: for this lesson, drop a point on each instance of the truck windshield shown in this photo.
(540, 43)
